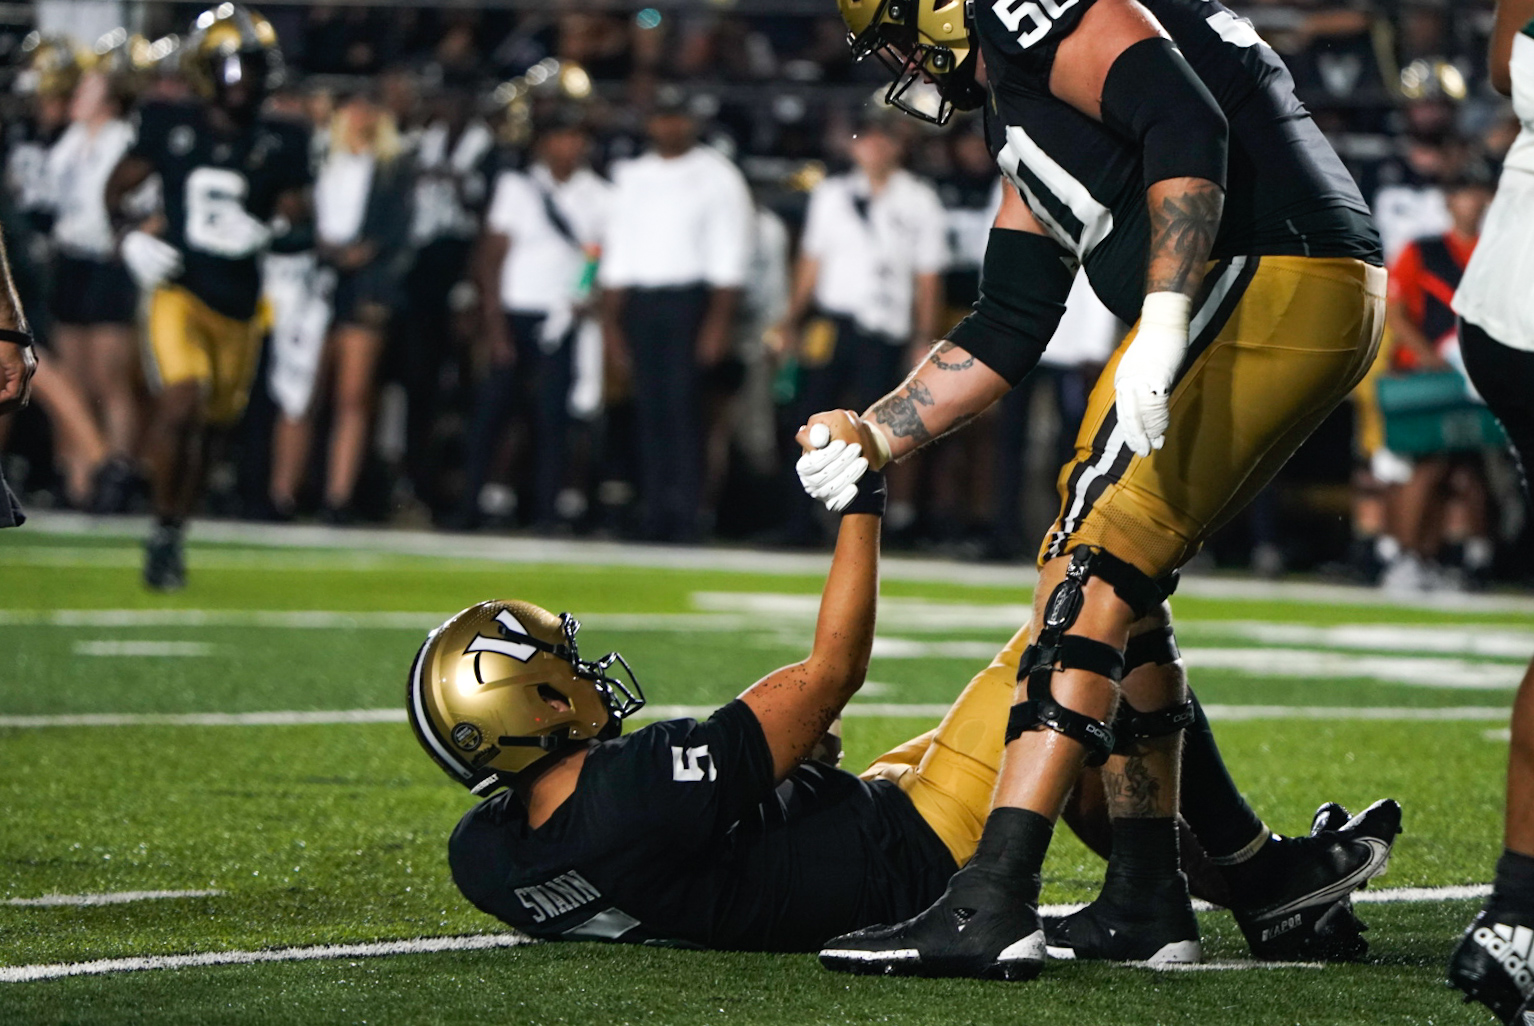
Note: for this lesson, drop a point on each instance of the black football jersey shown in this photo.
(676, 834)
(1287, 192)
(202, 172)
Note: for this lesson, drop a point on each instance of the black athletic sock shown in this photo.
(1514, 885)
(172, 523)
(1144, 849)
(1223, 822)
(1013, 844)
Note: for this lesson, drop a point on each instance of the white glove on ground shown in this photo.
(830, 472)
(150, 260)
(1146, 372)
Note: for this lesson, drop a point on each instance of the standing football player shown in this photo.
(1160, 146)
(233, 186)
(1494, 964)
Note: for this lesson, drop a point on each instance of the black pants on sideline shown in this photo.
(1070, 388)
(863, 367)
(662, 328)
(1505, 378)
(536, 386)
(424, 347)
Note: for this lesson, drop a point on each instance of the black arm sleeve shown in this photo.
(1024, 283)
(1153, 96)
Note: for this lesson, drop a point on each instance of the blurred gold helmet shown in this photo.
(231, 57)
(919, 40)
(51, 65)
(480, 692)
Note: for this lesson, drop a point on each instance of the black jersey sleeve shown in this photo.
(152, 124)
(1027, 32)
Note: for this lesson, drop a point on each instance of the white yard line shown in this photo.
(480, 942)
(598, 553)
(906, 710)
(116, 648)
(108, 898)
(419, 946)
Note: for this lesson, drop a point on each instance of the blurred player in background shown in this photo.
(233, 185)
(1494, 964)
(17, 365)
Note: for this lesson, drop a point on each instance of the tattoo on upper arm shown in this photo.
(901, 414)
(1182, 232)
(936, 359)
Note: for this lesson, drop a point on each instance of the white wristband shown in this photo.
(1166, 310)
(880, 444)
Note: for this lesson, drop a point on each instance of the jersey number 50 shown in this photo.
(1040, 15)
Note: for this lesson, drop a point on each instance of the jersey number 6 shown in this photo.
(216, 219)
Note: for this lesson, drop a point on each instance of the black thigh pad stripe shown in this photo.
(1157, 647)
(1047, 714)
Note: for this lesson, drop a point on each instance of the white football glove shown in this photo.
(1148, 369)
(231, 232)
(830, 473)
(149, 260)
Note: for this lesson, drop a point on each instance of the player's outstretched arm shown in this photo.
(797, 704)
(17, 361)
(1512, 16)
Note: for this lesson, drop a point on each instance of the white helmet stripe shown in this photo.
(424, 724)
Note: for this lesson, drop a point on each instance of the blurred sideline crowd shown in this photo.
(587, 271)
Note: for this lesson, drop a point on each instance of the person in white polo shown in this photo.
(673, 266)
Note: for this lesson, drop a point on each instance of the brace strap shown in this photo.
(1131, 584)
(1132, 726)
(1157, 648)
(1072, 652)
(1041, 714)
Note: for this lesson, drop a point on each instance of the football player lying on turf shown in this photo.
(727, 834)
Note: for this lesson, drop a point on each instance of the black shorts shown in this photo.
(87, 291)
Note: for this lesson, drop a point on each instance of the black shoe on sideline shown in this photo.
(165, 560)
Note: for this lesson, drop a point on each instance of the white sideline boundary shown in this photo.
(546, 551)
(418, 946)
(108, 898)
(483, 941)
(857, 710)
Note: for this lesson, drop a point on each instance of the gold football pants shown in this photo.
(949, 773)
(1276, 343)
(189, 341)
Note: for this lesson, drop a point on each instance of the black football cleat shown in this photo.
(165, 560)
(1308, 913)
(1131, 921)
(983, 927)
(1492, 964)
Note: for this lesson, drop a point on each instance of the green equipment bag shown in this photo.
(1433, 412)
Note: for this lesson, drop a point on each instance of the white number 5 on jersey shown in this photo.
(687, 764)
(216, 219)
(1039, 15)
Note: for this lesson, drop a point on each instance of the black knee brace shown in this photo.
(1156, 648)
(1053, 650)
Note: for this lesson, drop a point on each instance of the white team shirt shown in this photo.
(870, 248)
(341, 193)
(76, 172)
(1496, 293)
(542, 267)
(438, 210)
(683, 221)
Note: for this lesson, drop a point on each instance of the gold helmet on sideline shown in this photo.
(919, 40)
(480, 691)
(231, 57)
(51, 65)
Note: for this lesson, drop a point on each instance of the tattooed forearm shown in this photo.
(1134, 793)
(1184, 220)
(900, 411)
(936, 359)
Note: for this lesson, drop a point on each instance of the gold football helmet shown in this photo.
(231, 57)
(919, 40)
(51, 65)
(501, 687)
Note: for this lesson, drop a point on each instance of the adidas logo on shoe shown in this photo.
(1509, 946)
